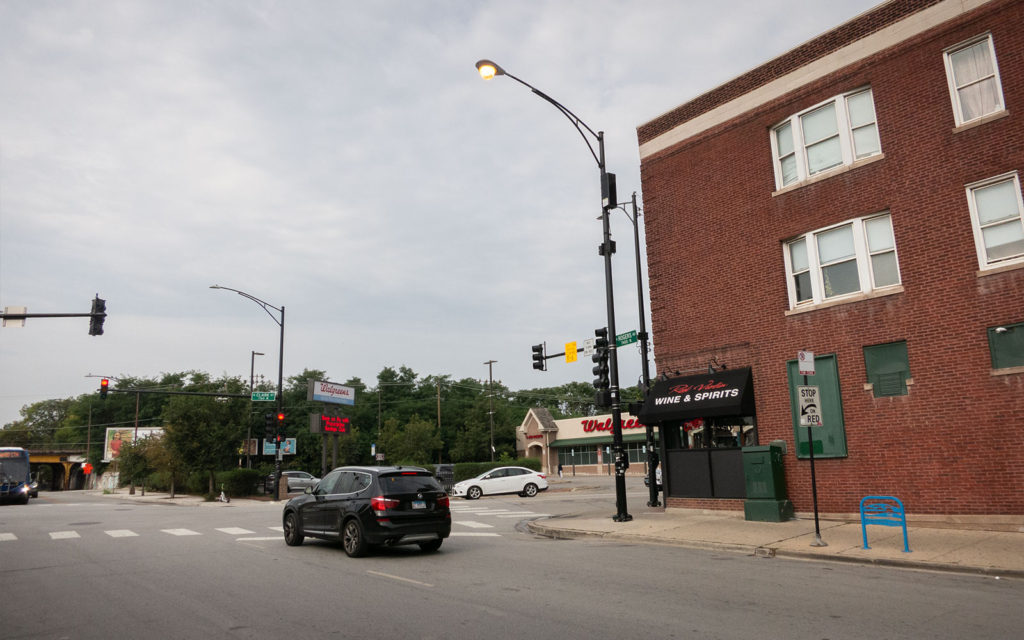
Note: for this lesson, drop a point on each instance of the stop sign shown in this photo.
(86, 468)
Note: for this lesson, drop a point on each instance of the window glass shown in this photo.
(879, 232)
(360, 481)
(326, 485)
(1006, 345)
(398, 483)
(835, 244)
(974, 80)
(996, 202)
(999, 229)
(863, 246)
(832, 134)
(801, 270)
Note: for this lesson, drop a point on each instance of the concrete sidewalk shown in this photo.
(991, 546)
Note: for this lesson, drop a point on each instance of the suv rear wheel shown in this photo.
(352, 539)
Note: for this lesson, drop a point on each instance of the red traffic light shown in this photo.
(104, 385)
(280, 416)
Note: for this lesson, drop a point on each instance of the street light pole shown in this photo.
(488, 70)
(652, 456)
(280, 372)
(490, 402)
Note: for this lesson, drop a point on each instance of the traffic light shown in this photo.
(539, 361)
(600, 358)
(269, 426)
(279, 428)
(97, 316)
(104, 385)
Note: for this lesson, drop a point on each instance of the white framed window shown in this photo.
(973, 79)
(832, 134)
(851, 258)
(997, 216)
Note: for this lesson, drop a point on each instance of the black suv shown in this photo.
(365, 506)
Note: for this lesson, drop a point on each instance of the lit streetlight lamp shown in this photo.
(280, 369)
(489, 70)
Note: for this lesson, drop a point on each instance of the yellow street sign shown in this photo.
(570, 352)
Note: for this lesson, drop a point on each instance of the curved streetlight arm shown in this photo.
(573, 118)
(266, 305)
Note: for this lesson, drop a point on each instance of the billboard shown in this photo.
(117, 436)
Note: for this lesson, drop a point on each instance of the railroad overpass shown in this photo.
(65, 467)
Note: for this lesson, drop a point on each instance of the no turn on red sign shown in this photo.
(805, 363)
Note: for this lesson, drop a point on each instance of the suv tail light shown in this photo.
(380, 504)
(443, 501)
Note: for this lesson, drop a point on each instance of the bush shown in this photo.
(239, 482)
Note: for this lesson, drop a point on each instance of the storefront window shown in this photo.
(730, 432)
(585, 454)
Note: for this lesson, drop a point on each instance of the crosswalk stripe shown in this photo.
(64, 535)
(235, 531)
(7, 536)
(526, 513)
(121, 533)
(474, 525)
(474, 534)
(181, 532)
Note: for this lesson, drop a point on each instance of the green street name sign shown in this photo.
(264, 396)
(623, 339)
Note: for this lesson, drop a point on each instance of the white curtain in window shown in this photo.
(974, 77)
(996, 202)
(821, 134)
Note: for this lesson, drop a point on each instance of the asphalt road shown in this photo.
(80, 566)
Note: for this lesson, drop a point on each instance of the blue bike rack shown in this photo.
(887, 511)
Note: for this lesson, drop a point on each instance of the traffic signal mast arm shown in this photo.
(97, 315)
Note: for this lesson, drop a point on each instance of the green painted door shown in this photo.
(830, 438)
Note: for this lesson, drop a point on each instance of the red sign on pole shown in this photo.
(86, 468)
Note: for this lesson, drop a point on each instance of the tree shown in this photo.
(205, 431)
(134, 462)
(163, 459)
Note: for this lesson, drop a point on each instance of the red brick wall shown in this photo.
(955, 444)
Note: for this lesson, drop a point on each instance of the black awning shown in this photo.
(724, 393)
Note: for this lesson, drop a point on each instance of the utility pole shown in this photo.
(490, 400)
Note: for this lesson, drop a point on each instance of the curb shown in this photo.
(538, 527)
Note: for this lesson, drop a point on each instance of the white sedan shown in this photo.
(525, 482)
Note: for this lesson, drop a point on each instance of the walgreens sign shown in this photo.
(590, 425)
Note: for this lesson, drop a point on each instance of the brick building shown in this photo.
(858, 197)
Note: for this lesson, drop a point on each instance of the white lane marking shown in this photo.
(278, 529)
(474, 534)
(7, 536)
(121, 533)
(257, 539)
(235, 531)
(472, 524)
(181, 532)
(520, 515)
(64, 535)
(400, 578)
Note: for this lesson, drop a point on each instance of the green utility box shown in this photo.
(766, 484)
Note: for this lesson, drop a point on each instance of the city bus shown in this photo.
(15, 475)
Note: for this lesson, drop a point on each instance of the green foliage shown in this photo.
(412, 419)
(239, 482)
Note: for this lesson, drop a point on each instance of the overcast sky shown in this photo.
(344, 160)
